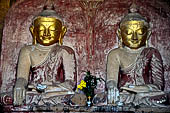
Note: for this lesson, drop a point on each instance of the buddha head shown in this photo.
(47, 28)
(133, 31)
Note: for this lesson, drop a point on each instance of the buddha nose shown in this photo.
(46, 32)
(134, 36)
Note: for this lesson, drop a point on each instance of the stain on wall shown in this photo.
(91, 33)
(4, 6)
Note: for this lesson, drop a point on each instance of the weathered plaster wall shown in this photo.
(4, 6)
(91, 32)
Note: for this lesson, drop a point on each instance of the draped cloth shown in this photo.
(146, 70)
(57, 68)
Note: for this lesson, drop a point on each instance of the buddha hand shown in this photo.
(19, 92)
(137, 88)
(113, 95)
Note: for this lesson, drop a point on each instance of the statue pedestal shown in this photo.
(105, 108)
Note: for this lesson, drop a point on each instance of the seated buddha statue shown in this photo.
(135, 71)
(46, 71)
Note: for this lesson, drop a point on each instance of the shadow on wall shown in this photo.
(4, 6)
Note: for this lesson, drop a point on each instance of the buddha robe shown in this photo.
(146, 70)
(58, 73)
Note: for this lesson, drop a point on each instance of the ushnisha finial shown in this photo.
(49, 11)
(134, 15)
(49, 5)
(133, 8)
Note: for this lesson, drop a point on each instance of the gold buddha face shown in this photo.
(48, 30)
(134, 34)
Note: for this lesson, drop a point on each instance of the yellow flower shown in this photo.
(81, 85)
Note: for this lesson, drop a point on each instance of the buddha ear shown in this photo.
(119, 38)
(148, 34)
(64, 30)
(119, 34)
(33, 35)
(32, 29)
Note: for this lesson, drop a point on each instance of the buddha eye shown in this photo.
(140, 31)
(53, 28)
(128, 31)
(41, 28)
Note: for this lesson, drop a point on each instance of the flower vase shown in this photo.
(90, 95)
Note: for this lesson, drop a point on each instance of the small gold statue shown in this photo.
(52, 65)
(134, 70)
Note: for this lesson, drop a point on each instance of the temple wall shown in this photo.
(91, 33)
(4, 6)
